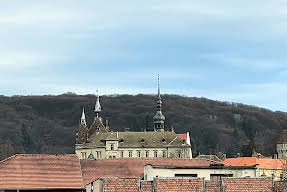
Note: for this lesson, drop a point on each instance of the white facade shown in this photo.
(208, 173)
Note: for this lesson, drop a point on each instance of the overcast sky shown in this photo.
(224, 50)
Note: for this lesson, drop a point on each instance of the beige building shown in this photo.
(99, 142)
(213, 173)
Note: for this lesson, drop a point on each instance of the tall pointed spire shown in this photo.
(159, 118)
(83, 118)
(158, 87)
(82, 135)
(98, 108)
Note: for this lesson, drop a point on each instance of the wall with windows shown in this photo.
(151, 172)
(112, 150)
(98, 153)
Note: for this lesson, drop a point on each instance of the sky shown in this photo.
(224, 50)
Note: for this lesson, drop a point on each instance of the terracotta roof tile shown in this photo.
(41, 172)
(120, 184)
(212, 186)
(178, 184)
(262, 163)
(247, 184)
(130, 168)
(146, 186)
(183, 136)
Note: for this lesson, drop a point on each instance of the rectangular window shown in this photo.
(122, 154)
(217, 177)
(155, 154)
(179, 154)
(112, 146)
(130, 154)
(139, 153)
(147, 154)
(99, 155)
(163, 154)
(185, 175)
(84, 155)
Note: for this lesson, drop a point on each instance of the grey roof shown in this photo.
(211, 157)
(137, 139)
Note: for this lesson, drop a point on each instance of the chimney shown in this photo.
(107, 125)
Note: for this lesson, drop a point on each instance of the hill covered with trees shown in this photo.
(48, 124)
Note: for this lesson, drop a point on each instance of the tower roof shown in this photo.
(98, 105)
(83, 115)
(159, 117)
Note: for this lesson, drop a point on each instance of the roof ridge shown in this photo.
(8, 158)
(31, 154)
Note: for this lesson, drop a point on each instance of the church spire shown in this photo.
(159, 118)
(83, 118)
(98, 108)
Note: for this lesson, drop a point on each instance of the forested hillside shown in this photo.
(48, 124)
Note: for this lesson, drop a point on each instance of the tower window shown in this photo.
(155, 153)
(164, 154)
(139, 153)
(84, 155)
(99, 155)
(147, 154)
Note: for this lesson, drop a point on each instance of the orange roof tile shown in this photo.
(120, 184)
(247, 184)
(183, 136)
(41, 172)
(130, 168)
(240, 161)
(179, 184)
(262, 163)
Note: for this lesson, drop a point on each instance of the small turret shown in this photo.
(83, 132)
(98, 125)
(98, 108)
(83, 118)
(158, 119)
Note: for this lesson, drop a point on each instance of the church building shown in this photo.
(99, 142)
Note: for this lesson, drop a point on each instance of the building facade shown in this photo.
(99, 142)
(282, 145)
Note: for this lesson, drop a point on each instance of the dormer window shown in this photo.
(163, 140)
(112, 146)
(142, 140)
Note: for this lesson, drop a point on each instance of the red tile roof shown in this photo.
(183, 136)
(41, 172)
(120, 184)
(146, 186)
(247, 184)
(178, 184)
(262, 163)
(212, 186)
(131, 168)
